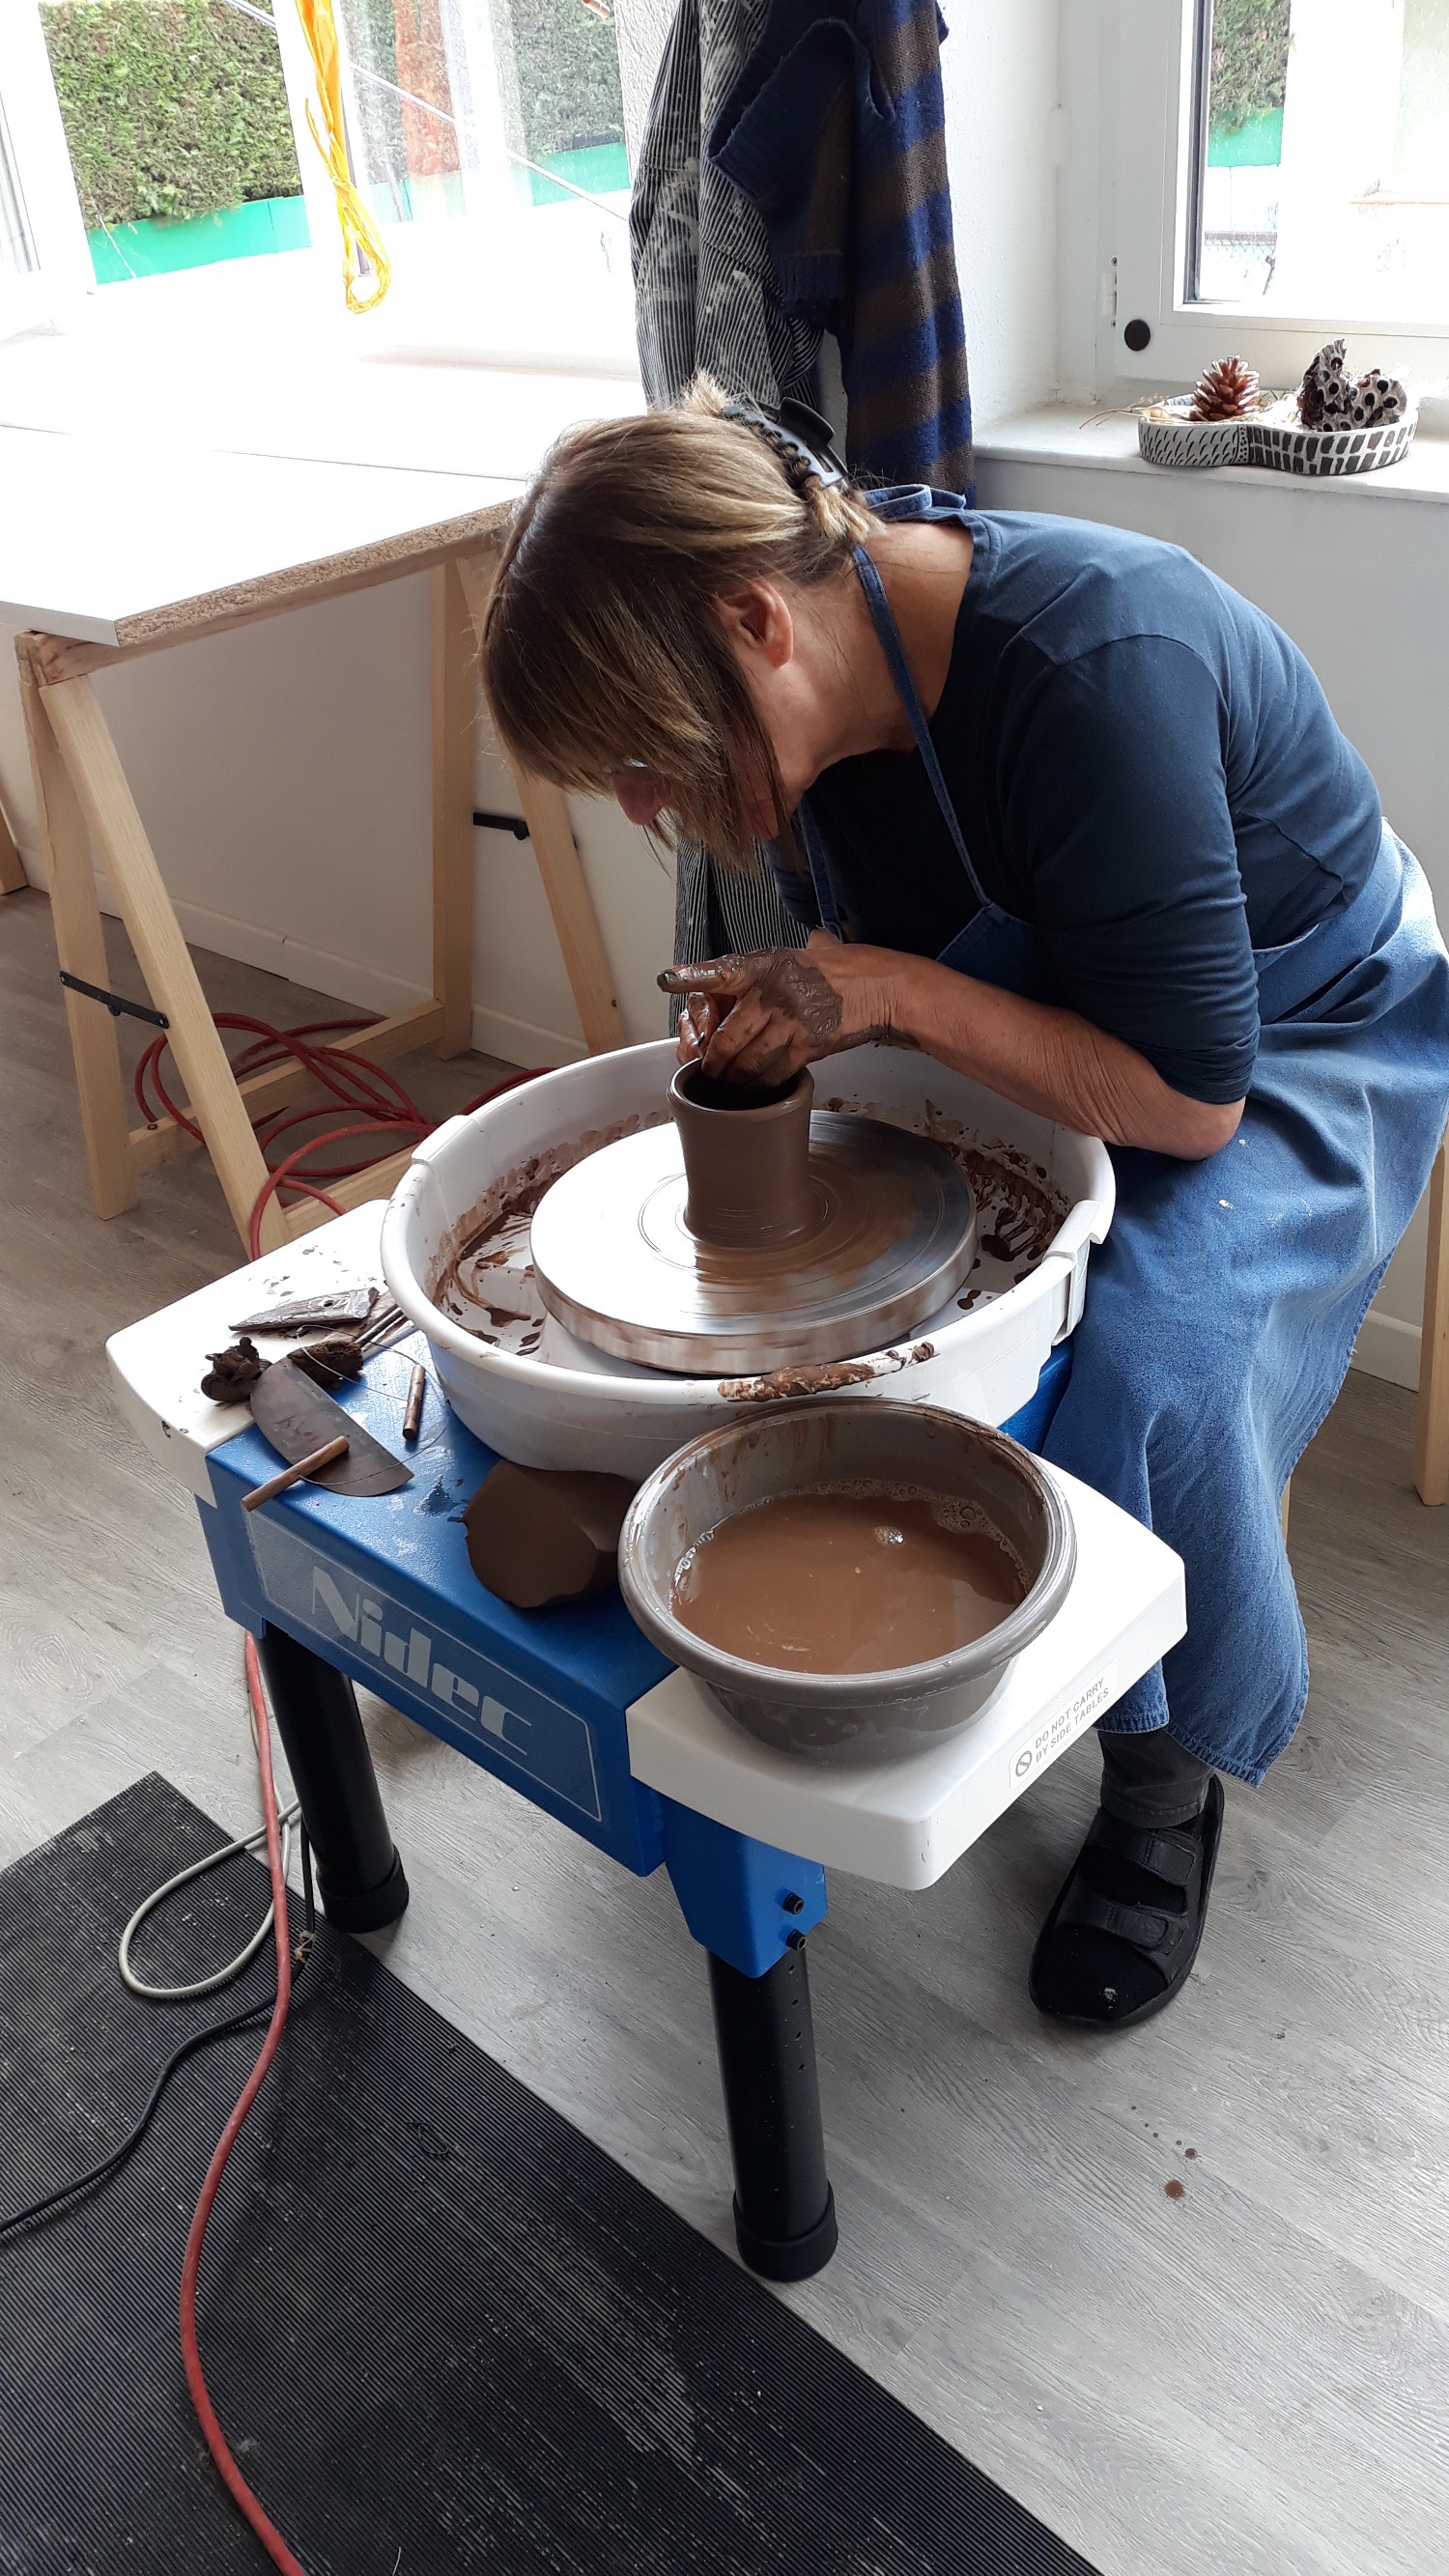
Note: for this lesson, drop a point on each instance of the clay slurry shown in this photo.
(855, 1579)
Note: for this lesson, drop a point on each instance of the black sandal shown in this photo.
(1124, 1931)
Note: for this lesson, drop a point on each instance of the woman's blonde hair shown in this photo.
(603, 646)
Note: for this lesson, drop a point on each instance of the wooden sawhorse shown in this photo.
(86, 805)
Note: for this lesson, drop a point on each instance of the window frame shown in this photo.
(40, 162)
(1159, 77)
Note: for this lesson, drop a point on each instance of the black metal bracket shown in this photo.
(513, 823)
(116, 1003)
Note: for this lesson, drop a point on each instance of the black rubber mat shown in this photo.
(442, 2330)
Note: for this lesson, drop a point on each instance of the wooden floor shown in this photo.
(1252, 2380)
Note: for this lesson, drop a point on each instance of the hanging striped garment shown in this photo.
(835, 130)
(704, 291)
(705, 298)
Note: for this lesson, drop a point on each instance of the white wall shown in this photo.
(1359, 580)
(283, 773)
(1003, 134)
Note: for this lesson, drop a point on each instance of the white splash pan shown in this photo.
(569, 1406)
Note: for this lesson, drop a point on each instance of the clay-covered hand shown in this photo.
(760, 1018)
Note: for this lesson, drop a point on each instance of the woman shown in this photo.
(1069, 816)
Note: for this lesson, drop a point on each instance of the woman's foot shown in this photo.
(1124, 1931)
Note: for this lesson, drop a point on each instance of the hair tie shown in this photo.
(786, 444)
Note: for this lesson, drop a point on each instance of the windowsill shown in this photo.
(1068, 434)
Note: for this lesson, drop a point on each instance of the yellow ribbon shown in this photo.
(359, 233)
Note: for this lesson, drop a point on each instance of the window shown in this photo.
(43, 259)
(485, 136)
(17, 249)
(1284, 176)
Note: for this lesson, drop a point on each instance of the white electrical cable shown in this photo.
(224, 1976)
(183, 1878)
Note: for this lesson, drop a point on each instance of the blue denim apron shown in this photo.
(1222, 1310)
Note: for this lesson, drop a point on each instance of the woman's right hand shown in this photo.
(760, 1018)
(699, 1017)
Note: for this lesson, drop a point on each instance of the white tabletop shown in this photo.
(129, 535)
(117, 544)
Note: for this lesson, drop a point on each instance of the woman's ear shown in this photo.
(759, 625)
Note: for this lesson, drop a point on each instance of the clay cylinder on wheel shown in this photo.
(746, 1156)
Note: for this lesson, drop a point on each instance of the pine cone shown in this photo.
(1227, 391)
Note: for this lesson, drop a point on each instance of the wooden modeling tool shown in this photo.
(326, 1456)
(417, 1389)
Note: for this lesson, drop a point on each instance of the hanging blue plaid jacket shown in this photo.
(835, 129)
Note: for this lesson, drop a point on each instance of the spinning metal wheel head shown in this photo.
(889, 1236)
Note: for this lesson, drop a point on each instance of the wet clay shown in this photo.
(746, 1159)
(233, 1372)
(786, 982)
(332, 1357)
(826, 1377)
(536, 1536)
(1019, 1209)
(846, 1580)
(493, 1237)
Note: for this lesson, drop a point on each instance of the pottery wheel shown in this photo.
(892, 1237)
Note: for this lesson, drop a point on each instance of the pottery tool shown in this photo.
(313, 1466)
(413, 1410)
(890, 1233)
(313, 1314)
(298, 1419)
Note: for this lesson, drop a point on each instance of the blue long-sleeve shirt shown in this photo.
(1143, 766)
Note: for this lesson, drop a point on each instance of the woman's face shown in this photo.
(762, 629)
(643, 795)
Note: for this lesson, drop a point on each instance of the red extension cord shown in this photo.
(375, 1098)
(359, 1084)
(241, 2494)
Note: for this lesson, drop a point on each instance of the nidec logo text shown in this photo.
(415, 1656)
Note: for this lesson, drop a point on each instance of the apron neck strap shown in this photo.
(900, 671)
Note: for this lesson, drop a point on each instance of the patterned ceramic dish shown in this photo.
(1273, 437)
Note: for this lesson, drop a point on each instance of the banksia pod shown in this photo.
(1226, 391)
(1323, 395)
(1376, 397)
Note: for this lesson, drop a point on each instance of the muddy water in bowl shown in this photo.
(848, 1579)
(972, 1484)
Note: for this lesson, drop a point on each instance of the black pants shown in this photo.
(1149, 1780)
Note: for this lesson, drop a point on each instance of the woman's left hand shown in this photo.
(759, 1018)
